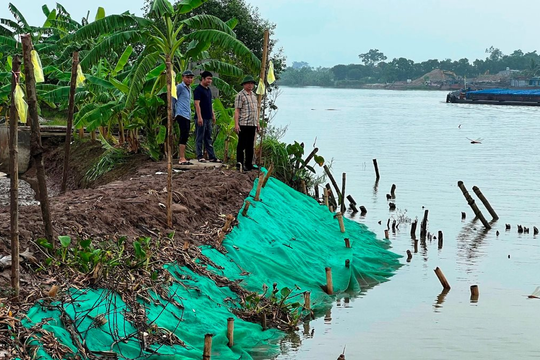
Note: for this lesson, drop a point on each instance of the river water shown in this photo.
(423, 146)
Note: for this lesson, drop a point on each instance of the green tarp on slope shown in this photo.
(287, 238)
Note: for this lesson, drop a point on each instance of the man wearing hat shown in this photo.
(246, 122)
(182, 113)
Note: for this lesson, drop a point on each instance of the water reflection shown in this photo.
(470, 243)
(440, 300)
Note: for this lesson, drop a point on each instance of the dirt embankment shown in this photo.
(128, 201)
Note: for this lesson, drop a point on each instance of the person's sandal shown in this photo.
(215, 161)
(202, 160)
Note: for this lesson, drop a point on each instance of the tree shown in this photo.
(372, 57)
(299, 64)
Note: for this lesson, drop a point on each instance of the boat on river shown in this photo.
(495, 97)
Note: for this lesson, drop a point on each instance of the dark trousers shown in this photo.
(203, 134)
(246, 139)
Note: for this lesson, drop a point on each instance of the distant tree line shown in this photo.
(375, 69)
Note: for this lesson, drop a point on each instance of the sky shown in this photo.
(327, 33)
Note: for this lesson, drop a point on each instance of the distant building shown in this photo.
(535, 81)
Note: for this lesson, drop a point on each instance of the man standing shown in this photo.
(182, 113)
(246, 122)
(205, 118)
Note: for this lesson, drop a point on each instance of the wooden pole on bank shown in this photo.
(168, 67)
(69, 125)
(332, 199)
(334, 183)
(259, 187)
(340, 220)
(246, 208)
(326, 198)
(36, 148)
(376, 169)
(442, 278)
(207, 351)
(485, 202)
(343, 180)
(347, 243)
(230, 331)
(307, 300)
(473, 206)
(260, 96)
(268, 174)
(329, 283)
(14, 179)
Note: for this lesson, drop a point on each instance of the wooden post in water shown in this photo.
(69, 125)
(393, 191)
(329, 283)
(376, 169)
(442, 278)
(333, 181)
(386, 234)
(343, 180)
(440, 239)
(14, 179)
(36, 148)
(246, 208)
(363, 210)
(485, 202)
(409, 256)
(413, 229)
(473, 206)
(259, 186)
(423, 226)
(207, 351)
(230, 331)
(474, 293)
(340, 220)
(352, 203)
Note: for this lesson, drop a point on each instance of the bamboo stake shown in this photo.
(268, 174)
(303, 186)
(226, 227)
(473, 206)
(347, 263)
(409, 256)
(326, 198)
(168, 67)
(230, 331)
(343, 180)
(413, 229)
(474, 290)
(340, 220)
(36, 148)
(376, 169)
(352, 203)
(69, 126)
(309, 157)
(386, 234)
(317, 195)
(334, 183)
(14, 179)
(363, 210)
(329, 283)
(260, 96)
(207, 351)
(332, 199)
(485, 202)
(259, 186)
(423, 226)
(307, 300)
(440, 238)
(442, 279)
(393, 191)
(246, 208)
(263, 321)
(347, 243)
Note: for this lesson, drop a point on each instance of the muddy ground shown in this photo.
(128, 201)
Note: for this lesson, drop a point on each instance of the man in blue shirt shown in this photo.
(182, 113)
(202, 96)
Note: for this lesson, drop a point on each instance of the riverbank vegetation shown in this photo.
(375, 68)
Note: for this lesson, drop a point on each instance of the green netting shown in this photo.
(287, 238)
